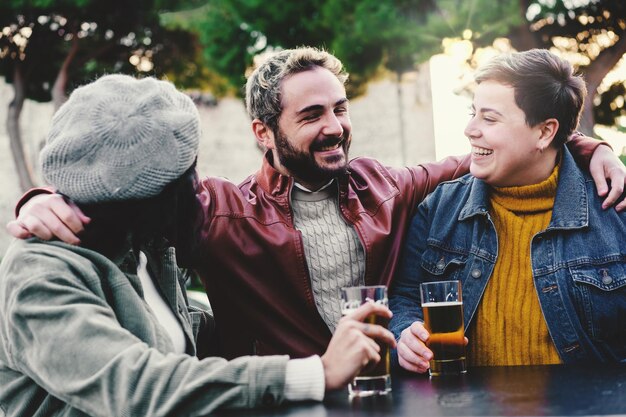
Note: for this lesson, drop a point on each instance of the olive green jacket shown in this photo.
(77, 338)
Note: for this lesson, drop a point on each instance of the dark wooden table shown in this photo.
(490, 391)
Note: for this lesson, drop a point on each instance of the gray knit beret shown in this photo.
(120, 138)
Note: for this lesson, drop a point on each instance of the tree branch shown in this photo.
(60, 83)
(24, 171)
(594, 74)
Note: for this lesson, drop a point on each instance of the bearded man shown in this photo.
(274, 250)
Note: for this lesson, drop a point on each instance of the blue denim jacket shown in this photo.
(578, 262)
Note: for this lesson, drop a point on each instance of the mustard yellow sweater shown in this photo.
(509, 327)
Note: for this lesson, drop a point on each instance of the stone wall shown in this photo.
(228, 147)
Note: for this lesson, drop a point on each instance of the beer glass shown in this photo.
(442, 304)
(374, 378)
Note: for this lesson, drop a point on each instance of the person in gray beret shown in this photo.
(105, 329)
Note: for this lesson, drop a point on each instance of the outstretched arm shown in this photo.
(608, 172)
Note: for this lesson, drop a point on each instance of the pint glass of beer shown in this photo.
(374, 378)
(442, 304)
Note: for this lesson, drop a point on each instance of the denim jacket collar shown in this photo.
(477, 202)
(570, 205)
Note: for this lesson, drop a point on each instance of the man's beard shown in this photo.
(302, 164)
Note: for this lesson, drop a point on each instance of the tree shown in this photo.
(379, 35)
(595, 31)
(47, 47)
(233, 32)
(591, 33)
(366, 35)
(397, 34)
(19, 67)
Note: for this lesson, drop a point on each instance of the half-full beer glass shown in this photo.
(374, 378)
(442, 304)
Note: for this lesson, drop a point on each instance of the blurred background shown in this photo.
(410, 64)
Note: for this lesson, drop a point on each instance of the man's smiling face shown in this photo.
(314, 129)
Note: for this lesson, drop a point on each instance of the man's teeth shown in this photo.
(481, 151)
(329, 148)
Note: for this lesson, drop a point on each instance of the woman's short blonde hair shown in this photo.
(545, 87)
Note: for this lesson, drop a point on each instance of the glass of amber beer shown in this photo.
(374, 378)
(442, 304)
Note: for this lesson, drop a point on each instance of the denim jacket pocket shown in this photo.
(443, 264)
(600, 298)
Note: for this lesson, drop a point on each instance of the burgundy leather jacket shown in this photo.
(252, 259)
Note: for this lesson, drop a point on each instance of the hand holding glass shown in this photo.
(442, 304)
(374, 378)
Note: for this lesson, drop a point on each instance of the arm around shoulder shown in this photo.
(426, 177)
(30, 194)
(582, 148)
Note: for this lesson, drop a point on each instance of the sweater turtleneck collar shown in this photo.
(528, 198)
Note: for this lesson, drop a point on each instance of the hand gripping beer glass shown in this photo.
(374, 378)
(442, 304)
